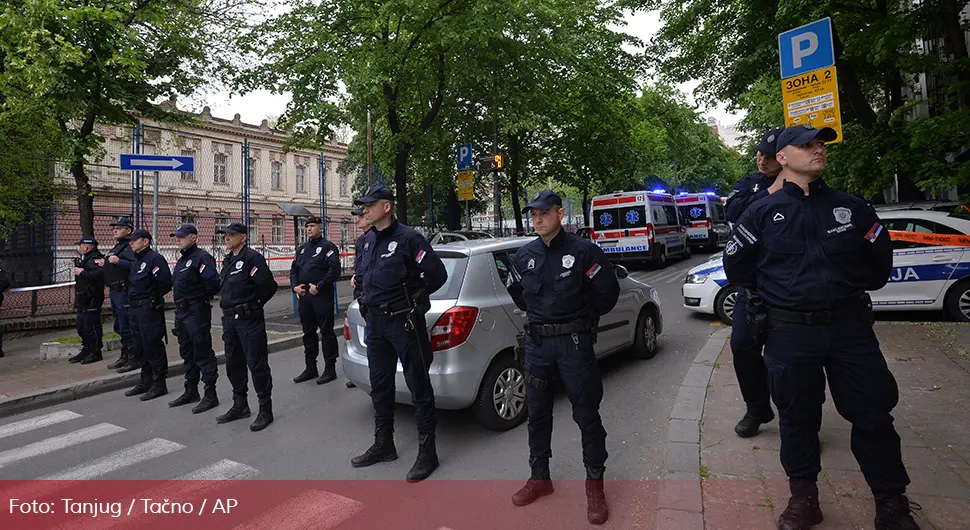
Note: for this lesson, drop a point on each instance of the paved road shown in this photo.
(319, 428)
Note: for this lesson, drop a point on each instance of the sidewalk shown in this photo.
(744, 486)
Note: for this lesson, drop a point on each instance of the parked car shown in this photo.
(924, 277)
(473, 323)
(445, 238)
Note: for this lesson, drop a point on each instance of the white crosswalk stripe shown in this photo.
(314, 509)
(57, 443)
(30, 424)
(126, 457)
(221, 470)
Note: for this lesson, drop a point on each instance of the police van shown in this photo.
(639, 226)
(707, 225)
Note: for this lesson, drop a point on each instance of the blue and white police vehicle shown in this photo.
(924, 277)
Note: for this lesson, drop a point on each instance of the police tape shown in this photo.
(930, 239)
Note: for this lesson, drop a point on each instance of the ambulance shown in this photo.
(708, 226)
(639, 226)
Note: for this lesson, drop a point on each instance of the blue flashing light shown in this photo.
(711, 193)
(659, 191)
(682, 192)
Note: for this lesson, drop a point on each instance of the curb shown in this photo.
(681, 504)
(92, 387)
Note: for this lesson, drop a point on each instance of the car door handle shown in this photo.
(942, 258)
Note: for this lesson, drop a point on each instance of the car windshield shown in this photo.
(476, 235)
(455, 264)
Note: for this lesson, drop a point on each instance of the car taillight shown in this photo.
(346, 330)
(650, 233)
(453, 327)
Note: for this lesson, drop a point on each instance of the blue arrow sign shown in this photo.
(464, 156)
(806, 48)
(157, 163)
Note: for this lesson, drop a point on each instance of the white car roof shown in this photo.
(943, 218)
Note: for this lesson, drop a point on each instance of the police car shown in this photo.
(924, 277)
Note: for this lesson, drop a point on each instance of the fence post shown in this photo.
(155, 207)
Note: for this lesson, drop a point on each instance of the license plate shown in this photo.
(609, 244)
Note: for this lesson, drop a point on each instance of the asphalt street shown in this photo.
(319, 428)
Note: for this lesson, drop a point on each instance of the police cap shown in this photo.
(769, 142)
(88, 240)
(375, 194)
(357, 211)
(138, 234)
(123, 221)
(803, 135)
(186, 229)
(234, 228)
(313, 220)
(543, 200)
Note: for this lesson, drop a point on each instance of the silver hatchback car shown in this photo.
(473, 323)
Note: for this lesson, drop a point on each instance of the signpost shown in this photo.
(809, 82)
(156, 163)
(466, 181)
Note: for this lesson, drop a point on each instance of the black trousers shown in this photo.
(148, 330)
(316, 312)
(749, 366)
(246, 345)
(194, 325)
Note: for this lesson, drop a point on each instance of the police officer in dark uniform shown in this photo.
(148, 283)
(247, 284)
(402, 273)
(749, 366)
(360, 265)
(4, 285)
(117, 266)
(564, 283)
(810, 253)
(88, 298)
(194, 282)
(314, 270)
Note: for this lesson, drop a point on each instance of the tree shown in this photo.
(111, 62)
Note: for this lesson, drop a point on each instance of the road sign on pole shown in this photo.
(466, 186)
(806, 48)
(135, 162)
(464, 156)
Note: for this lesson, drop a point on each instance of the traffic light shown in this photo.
(499, 163)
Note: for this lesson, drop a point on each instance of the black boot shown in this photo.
(751, 422)
(93, 358)
(79, 357)
(134, 362)
(350, 384)
(239, 409)
(383, 450)
(538, 485)
(427, 460)
(803, 510)
(596, 509)
(122, 360)
(142, 386)
(329, 373)
(895, 513)
(209, 401)
(307, 374)
(158, 389)
(264, 417)
(191, 395)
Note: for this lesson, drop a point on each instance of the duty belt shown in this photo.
(816, 317)
(184, 304)
(242, 310)
(553, 330)
(391, 308)
(143, 302)
(119, 285)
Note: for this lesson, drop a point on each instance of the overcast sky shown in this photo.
(256, 106)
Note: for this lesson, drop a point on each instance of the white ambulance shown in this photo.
(708, 226)
(639, 226)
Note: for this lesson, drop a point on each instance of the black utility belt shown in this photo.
(184, 304)
(817, 317)
(389, 309)
(242, 310)
(120, 285)
(554, 330)
(144, 301)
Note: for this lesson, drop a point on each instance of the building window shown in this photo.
(253, 236)
(344, 232)
(253, 173)
(188, 176)
(277, 231)
(277, 175)
(344, 182)
(301, 179)
(220, 161)
(187, 219)
(222, 222)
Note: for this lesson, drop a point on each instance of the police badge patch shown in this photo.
(755, 188)
(731, 248)
(188, 263)
(567, 261)
(842, 215)
(142, 266)
(532, 263)
(392, 246)
(239, 265)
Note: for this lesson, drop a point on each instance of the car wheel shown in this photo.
(646, 343)
(500, 405)
(724, 304)
(957, 302)
(687, 250)
(660, 262)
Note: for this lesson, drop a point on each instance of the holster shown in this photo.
(519, 350)
(534, 333)
(175, 328)
(757, 318)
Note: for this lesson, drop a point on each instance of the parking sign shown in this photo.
(806, 48)
(464, 156)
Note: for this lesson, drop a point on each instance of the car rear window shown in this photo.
(476, 235)
(455, 264)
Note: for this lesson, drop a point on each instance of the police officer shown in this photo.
(117, 266)
(4, 285)
(360, 265)
(88, 298)
(194, 282)
(314, 270)
(749, 366)
(564, 283)
(402, 273)
(247, 284)
(810, 253)
(148, 283)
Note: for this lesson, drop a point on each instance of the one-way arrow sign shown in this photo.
(157, 163)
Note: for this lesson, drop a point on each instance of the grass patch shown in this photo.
(755, 447)
(768, 503)
(74, 339)
(717, 364)
(846, 495)
(762, 479)
(704, 472)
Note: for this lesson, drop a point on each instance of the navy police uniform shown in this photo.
(4, 285)
(116, 278)
(402, 273)
(360, 264)
(749, 366)
(247, 284)
(88, 298)
(317, 262)
(811, 259)
(148, 282)
(195, 281)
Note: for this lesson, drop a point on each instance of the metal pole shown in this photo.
(323, 191)
(431, 207)
(468, 214)
(137, 220)
(368, 150)
(155, 208)
(246, 177)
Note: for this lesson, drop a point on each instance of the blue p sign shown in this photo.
(464, 153)
(806, 48)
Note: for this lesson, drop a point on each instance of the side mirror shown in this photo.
(621, 271)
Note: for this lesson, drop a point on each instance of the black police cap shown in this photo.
(543, 200)
(184, 230)
(234, 228)
(376, 193)
(769, 142)
(803, 135)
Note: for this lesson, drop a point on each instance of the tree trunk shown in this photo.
(956, 45)
(85, 196)
(514, 165)
(586, 205)
(401, 182)
(455, 211)
(851, 88)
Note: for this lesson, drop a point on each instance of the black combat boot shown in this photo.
(307, 374)
(803, 510)
(264, 417)
(191, 395)
(239, 409)
(383, 450)
(751, 423)
(596, 509)
(95, 357)
(427, 460)
(79, 357)
(539, 483)
(894, 513)
(209, 401)
(350, 384)
(158, 389)
(329, 373)
(142, 386)
(134, 362)
(122, 360)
